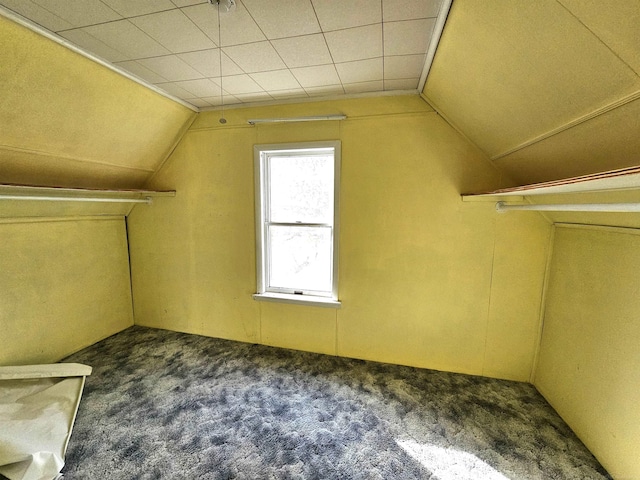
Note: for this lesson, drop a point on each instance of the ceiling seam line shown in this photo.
(184, 130)
(249, 74)
(599, 39)
(322, 98)
(69, 158)
(122, 17)
(333, 61)
(82, 26)
(126, 55)
(198, 27)
(484, 154)
(571, 124)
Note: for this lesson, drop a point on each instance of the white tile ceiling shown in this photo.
(271, 50)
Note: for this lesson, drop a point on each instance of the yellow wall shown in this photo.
(425, 280)
(547, 88)
(589, 364)
(68, 121)
(65, 285)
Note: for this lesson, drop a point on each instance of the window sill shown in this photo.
(298, 299)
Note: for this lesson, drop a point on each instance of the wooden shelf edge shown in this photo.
(622, 179)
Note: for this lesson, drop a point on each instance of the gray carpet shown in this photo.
(165, 405)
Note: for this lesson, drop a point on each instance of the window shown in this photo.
(297, 222)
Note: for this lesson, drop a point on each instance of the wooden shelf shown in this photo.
(614, 180)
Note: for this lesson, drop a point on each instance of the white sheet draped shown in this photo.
(38, 405)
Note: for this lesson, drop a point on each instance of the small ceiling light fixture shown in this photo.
(222, 6)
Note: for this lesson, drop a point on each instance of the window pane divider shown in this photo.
(299, 224)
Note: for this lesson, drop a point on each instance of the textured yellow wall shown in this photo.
(65, 285)
(66, 120)
(425, 279)
(589, 364)
(548, 89)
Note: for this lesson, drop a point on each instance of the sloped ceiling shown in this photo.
(68, 121)
(547, 89)
(271, 50)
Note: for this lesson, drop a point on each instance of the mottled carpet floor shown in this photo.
(166, 405)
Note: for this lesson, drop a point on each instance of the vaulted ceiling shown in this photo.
(271, 50)
(546, 89)
(68, 121)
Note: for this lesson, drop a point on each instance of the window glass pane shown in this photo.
(300, 258)
(301, 189)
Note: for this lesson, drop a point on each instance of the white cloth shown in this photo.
(38, 405)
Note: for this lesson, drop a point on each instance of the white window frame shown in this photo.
(261, 154)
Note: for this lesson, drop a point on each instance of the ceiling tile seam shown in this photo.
(571, 124)
(373, 24)
(334, 63)
(315, 14)
(150, 57)
(148, 36)
(606, 45)
(122, 17)
(270, 44)
(324, 38)
(82, 26)
(256, 22)
(280, 57)
(342, 82)
(327, 98)
(361, 60)
(187, 63)
(271, 90)
(278, 69)
(127, 57)
(125, 54)
(198, 27)
(99, 24)
(164, 80)
(62, 20)
(413, 18)
(41, 153)
(251, 43)
(244, 44)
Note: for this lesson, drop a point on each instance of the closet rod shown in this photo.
(572, 207)
(146, 200)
